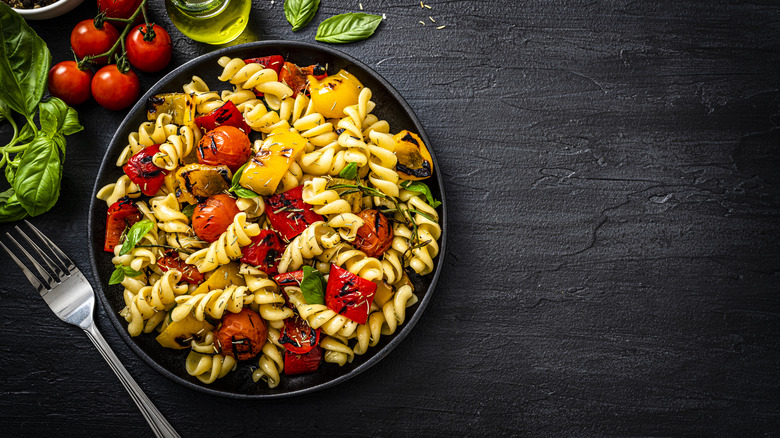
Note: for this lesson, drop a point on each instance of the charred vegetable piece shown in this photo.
(289, 279)
(354, 197)
(302, 363)
(349, 295)
(221, 278)
(189, 273)
(288, 214)
(199, 181)
(267, 167)
(179, 105)
(226, 145)
(264, 251)
(121, 215)
(376, 234)
(414, 159)
(297, 77)
(142, 171)
(241, 335)
(330, 96)
(298, 337)
(212, 217)
(180, 334)
(227, 114)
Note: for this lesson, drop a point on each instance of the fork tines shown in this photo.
(48, 257)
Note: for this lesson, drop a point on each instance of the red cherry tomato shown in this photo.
(302, 363)
(142, 171)
(121, 215)
(118, 8)
(189, 273)
(69, 83)
(86, 39)
(298, 337)
(376, 234)
(115, 90)
(264, 251)
(148, 56)
(212, 217)
(241, 335)
(226, 145)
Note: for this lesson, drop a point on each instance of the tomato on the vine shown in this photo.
(118, 8)
(115, 90)
(69, 83)
(87, 40)
(148, 52)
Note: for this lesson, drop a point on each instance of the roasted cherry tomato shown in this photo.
(69, 83)
(121, 215)
(264, 251)
(189, 273)
(241, 335)
(148, 51)
(118, 8)
(227, 114)
(288, 213)
(349, 295)
(302, 363)
(297, 77)
(226, 145)
(87, 40)
(376, 234)
(142, 171)
(289, 279)
(298, 337)
(115, 90)
(212, 217)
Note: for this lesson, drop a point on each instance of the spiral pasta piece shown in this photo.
(213, 303)
(324, 201)
(147, 308)
(271, 363)
(121, 188)
(347, 225)
(328, 160)
(205, 101)
(208, 368)
(253, 207)
(320, 316)
(384, 322)
(227, 247)
(337, 350)
(309, 244)
(354, 261)
(176, 147)
(382, 164)
(169, 216)
(254, 76)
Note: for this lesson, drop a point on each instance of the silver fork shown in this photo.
(70, 296)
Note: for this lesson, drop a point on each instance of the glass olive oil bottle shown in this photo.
(209, 21)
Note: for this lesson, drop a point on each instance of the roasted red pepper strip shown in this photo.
(227, 114)
(349, 295)
(288, 214)
(189, 273)
(142, 171)
(264, 251)
(302, 363)
(289, 279)
(121, 215)
(298, 337)
(296, 77)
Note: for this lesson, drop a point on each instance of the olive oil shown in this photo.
(209, 21)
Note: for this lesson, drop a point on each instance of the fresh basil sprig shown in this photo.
(347, 28)
(120, 272)
(420, 187)
(135, 234)
(238, 189)
(350, 171)
(313, 286)
(300, 12)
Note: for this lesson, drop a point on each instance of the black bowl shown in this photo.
(238, 384)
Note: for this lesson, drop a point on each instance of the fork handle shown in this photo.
(158, 423)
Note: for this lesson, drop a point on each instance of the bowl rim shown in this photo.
(52, 8)
(107, 162)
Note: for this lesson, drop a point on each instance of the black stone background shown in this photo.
(612, 266)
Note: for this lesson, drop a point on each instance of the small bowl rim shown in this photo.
(52, 8)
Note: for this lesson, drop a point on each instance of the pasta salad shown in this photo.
(276, 222)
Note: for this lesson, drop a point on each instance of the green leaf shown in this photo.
(24, 63)
(347, 28)
(27, 133)
(121, 272)
(58, 117)
(10, 207)
(300, 12)
(136, 233)
(244, 193)
(350, 171)
(37, 180)
(420, 187)
(313, 286)
(5, 111)
(238, 189)
(188, 210)
(10, 171)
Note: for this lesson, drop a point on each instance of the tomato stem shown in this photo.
(120, 42)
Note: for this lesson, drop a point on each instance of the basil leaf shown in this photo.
(136, 233)
(300, 12)
(188, 210)
(10, 171)
(10, 208)
(346, 28)
(238, 189)
(57, 117)
(419, 187)
(244, 193)
(350, 171)
(25, 134)
(5, 111)
(313, 286)
(121, 272)
(37, 180)
(24, 63)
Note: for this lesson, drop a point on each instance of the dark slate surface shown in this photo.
(612, 177)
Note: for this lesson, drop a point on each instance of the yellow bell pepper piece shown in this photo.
(179, 105)
(179, 334)
(222, 277)
(265, 170)
(331, 95)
